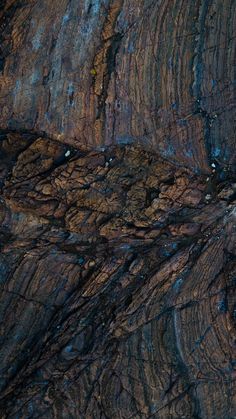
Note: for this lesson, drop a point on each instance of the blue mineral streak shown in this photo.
(36, 41)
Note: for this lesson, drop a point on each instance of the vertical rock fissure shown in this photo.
(110, 64)
(104, 62)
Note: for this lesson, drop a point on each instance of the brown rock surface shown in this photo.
(109, 71)
(117, 209)
(117, 285)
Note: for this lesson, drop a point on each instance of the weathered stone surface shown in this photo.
(105, 72)
(117, 285)
(117, 209)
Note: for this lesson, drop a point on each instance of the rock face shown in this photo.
(117, 209)
(107, 72)
(117, 285)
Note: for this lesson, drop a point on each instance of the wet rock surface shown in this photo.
(117, 284)
(157, 72)
(117, 209)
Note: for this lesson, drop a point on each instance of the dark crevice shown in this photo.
(111, 65)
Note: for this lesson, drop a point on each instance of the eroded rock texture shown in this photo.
(160, 72)
(117, 209)
(117, 285)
